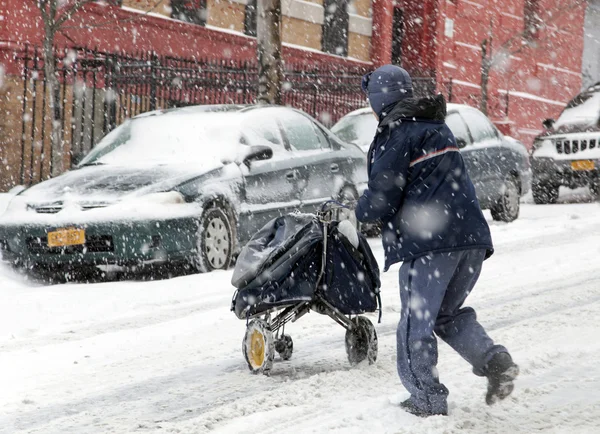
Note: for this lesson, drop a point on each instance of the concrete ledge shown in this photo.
(361, 25)
(305, 11)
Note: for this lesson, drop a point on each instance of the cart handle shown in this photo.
(334, 202)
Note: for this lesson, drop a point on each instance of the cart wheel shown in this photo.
(361, 341)
(258, 347)
(285, 347)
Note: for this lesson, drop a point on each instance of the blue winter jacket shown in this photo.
(419, 188)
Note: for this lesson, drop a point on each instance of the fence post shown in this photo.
(23, 116)
(314, 110)
(153, 80)
(110, 95)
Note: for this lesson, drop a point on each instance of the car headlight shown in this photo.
(15, 204)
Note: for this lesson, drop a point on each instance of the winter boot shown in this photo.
(500, 372)
(411, 408)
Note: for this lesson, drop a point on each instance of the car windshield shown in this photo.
(357, 129)
(583, 109)
(172, 138)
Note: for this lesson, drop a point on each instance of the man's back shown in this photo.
(419, 186)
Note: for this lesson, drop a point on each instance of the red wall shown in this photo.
(95, 27)
(551, 71)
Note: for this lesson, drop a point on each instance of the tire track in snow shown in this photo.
(74, 333)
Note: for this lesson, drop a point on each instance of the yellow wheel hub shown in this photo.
(257, 349)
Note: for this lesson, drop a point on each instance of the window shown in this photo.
(481, 128)
(335, 27)
(191, 11)
(250, 18)
(532, 19)
(458, 127)
(301, 132)
(264, 126)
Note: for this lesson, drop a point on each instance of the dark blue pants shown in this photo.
(433, 289)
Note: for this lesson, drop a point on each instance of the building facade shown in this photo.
(535, 48)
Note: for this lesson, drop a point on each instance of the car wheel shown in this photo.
(361, 341)
(544, 193)
(595, 189)
(508, 206)
(215, 239)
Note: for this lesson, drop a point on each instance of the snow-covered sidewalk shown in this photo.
(166, 356)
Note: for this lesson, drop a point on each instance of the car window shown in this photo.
(458, 127)
(480, 126)
(264, 125)
(301, 132)
(322, 137)
(358, 129)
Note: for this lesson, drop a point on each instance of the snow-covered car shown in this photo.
(568, 152)
(184, 185)
(498, 165)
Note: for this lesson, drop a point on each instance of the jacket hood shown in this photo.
(431, 108)
(386, 86)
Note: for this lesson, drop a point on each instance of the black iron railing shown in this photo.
(100, 90)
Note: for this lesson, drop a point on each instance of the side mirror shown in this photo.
(76, 158)
(258, 153)
(548, 123)
(461, 142)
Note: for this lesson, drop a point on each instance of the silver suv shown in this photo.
(568, 152)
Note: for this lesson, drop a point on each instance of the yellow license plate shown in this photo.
(66, 237)
(583, 165)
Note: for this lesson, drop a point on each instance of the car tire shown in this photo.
(595, 190)
(215, 239)
(544, 193)
(508, 206)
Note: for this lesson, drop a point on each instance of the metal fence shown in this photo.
(100, 90)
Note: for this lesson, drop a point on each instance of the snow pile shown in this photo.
(347, 229)
(172, 138)
(585, 113)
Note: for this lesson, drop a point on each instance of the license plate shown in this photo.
(583, 165)
(66, 237)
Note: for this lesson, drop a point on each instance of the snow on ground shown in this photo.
(165, 356)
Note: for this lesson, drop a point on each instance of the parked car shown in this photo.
(568, 152)
(184, 185)
(498, 165)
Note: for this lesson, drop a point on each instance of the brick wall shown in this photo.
(226, 14)
(542, 76)
(163, 8)
(11, 91)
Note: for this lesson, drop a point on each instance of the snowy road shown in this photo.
(137, 357)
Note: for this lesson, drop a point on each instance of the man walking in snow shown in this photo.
(420, 193)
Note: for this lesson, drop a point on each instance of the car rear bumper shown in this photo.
(561, 172)
(118, 243)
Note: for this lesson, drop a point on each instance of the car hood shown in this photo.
(570, 129)
(103, 185)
